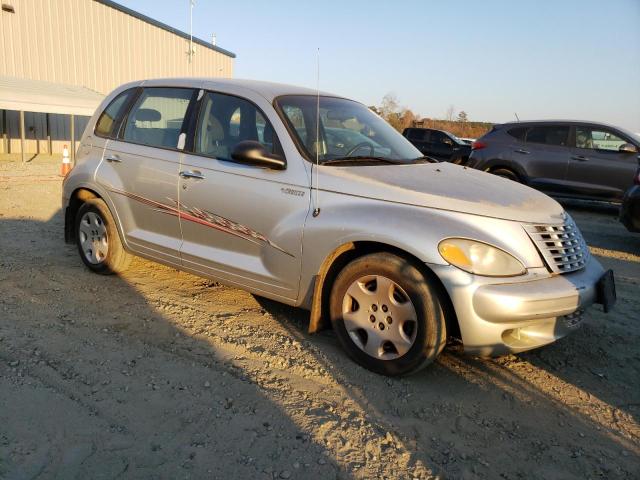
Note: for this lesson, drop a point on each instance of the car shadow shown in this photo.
(510, 417)
(120, 377)
(97, 381)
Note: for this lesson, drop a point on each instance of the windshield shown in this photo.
(348, 129)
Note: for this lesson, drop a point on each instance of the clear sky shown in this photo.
(540, 58)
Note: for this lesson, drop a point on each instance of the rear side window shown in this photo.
(157, 117)
(110, 118)
(549, 135)
(518, 132)
(418, 134)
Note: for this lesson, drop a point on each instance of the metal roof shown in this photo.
(164, 26)
(47, 97)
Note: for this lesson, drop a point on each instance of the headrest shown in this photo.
(148, 115)
(214, 129)
(267, 134)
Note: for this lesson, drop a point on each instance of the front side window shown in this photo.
(439, 137)
(347, 129)
(106, 124)
(225, 121)
(549, 135)
(157, 117)
(597, 139)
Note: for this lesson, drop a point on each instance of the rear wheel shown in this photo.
(506, 173)
(387, 315)
(98, 240)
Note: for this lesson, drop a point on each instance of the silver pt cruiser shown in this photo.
(313, 200)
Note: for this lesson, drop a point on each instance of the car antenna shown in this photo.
(516, 116)
(316, 210)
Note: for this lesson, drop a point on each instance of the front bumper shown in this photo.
(499, 316)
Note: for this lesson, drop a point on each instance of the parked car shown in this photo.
(565, 158)
(438, 144)
(229, 180)
(630, 209)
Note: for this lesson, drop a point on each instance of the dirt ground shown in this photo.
(160, 374)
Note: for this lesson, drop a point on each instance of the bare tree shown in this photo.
(450, 113)
(389, 105)
(398, 117)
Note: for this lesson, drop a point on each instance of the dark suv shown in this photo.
(438, 144)
(564, 158)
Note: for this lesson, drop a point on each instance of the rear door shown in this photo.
(544, 156)
(140, 171)
(419, 137)
(597, 169)
(241, 223)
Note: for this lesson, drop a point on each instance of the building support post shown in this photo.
(22, 135)
(5, 129)
(73, 140)
(49, 145)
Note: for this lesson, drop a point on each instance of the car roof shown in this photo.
(526, 123)
(269, 90)
(560, 120)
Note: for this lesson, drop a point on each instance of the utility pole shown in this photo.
(191, 5)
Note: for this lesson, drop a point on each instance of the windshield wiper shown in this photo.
(425, 157)
(358, 158)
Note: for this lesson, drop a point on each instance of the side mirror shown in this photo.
(254, 153)
(628, 148)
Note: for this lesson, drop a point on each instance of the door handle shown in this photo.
(524, 152)
(192, 174)
(580, 158)
(113, 158)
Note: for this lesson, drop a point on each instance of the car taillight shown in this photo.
(478, 145)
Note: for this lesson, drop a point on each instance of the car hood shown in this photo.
(443, 186)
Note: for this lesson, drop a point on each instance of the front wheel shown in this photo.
(387, 315)
(97, 238)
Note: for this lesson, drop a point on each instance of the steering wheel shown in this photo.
(372, 150)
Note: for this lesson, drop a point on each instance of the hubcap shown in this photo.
(93, 238)
(379, 317)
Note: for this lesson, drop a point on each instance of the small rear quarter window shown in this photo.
(112, 114)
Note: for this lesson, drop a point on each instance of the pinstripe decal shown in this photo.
(205, 218)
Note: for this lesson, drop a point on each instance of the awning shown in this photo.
(46, 97)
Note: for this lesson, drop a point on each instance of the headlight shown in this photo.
(479, 258)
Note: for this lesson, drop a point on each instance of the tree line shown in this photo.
(400, 117)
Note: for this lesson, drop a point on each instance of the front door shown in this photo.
(240, 223)
(597, 169)
(140, 171)
(440, 145)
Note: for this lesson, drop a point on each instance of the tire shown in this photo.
(506, 173)
(388, 346)
(98, 240)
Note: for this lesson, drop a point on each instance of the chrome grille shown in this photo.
(562, 246)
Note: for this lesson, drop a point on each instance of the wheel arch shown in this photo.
(341, 256)
(78, 197)
(494, 165)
